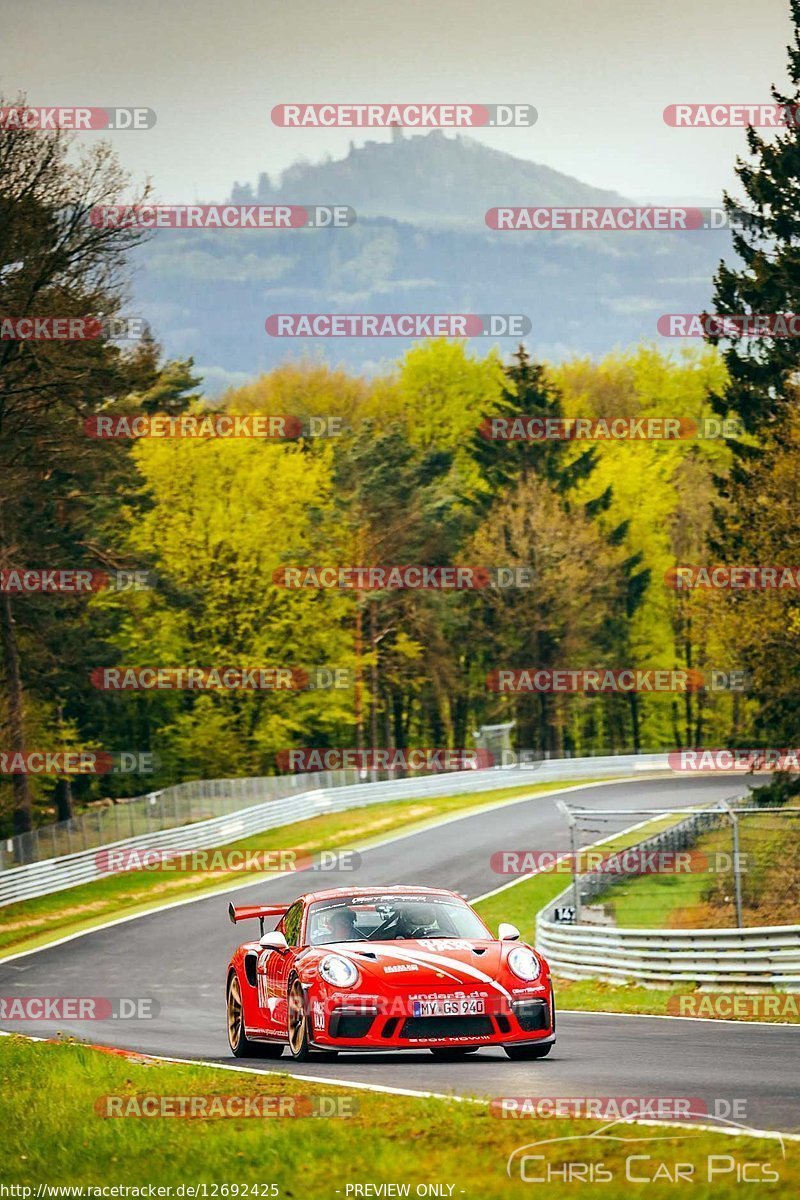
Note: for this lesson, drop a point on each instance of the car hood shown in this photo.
(440, 963)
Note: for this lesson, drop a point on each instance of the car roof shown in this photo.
(381, 889)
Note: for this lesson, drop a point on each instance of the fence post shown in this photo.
(573, 841)
(737, 870)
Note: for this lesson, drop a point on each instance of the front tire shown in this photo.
(239, 1042)
(299, 1046)
(523, 1053)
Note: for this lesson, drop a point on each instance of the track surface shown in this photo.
(178, 956)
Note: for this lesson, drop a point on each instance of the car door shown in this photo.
(274, 967)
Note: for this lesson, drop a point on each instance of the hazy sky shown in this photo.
(600, 73)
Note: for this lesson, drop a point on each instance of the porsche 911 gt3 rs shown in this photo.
(401, 968)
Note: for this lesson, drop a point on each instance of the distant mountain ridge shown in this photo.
(428, 179)
(419, 245)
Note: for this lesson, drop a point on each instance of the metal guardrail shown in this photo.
(757, 956)
(167, 808)
(109, 821)
(65, 871)
(760, 956)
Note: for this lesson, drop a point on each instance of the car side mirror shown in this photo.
(508, 933)
(274, 941)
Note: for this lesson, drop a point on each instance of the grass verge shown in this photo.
(401, 1140)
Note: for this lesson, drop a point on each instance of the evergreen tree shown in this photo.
(766, 237)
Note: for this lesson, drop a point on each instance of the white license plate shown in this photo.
(461, 1007)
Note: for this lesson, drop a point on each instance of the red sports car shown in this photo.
(403, 968)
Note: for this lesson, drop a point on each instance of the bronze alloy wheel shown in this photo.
(298, 1021)
(240, 1043)
(235, 1016)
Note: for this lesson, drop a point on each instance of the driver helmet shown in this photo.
(342, 924)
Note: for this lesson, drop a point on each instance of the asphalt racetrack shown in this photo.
(179, 956)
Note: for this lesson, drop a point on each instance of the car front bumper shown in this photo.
(352, 1027)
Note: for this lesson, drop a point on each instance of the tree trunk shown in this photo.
(22, 800)
(633, 701)
(359, 717)
(63, 799)
(373, 680)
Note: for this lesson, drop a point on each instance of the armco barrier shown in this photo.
(766, 956)
(52, 875)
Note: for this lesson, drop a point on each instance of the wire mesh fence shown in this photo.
(735, 865)
(168, 808)
(199, 800)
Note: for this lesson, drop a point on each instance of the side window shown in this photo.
(291, 924)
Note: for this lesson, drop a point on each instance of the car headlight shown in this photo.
(524, 963)
(338, 971)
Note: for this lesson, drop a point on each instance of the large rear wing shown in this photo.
(244, 912)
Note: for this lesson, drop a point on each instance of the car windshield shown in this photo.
(391, 918)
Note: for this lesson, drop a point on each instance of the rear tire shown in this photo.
(240, 1044)
(521, 1053)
